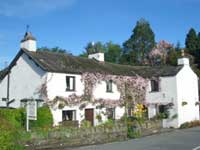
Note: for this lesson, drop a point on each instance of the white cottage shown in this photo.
(175, 90)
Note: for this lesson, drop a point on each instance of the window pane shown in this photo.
(111, 113)
(68, 83)
(154, 85)
(69, 115)
(71, 83)
(109, 86)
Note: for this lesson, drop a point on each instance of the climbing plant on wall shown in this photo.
(132, 90)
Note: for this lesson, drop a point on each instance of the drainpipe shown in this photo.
(8, 89)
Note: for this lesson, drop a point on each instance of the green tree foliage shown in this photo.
(173, 56)
(128, 58)
(191, 41)
(198, 41)
(178, 46)
(54, 49)
(141, 41)
(94, 47)
(113, 52)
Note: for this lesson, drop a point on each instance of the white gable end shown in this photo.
(25, 80)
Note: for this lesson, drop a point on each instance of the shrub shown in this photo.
(133, 132)
(134, 127)
(191, 124)
(184, 103)
(85, 124)
(44, 118)
(99, 117)
(109, 123)
(11, 122)
(16, 117)
(162, 116)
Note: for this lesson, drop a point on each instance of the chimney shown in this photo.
(28, 42)
(183, 61)
(98, 56)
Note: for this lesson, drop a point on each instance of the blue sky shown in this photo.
(71, 24)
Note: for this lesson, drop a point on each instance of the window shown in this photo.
(129, 111)
(69, 115)
(163, 109)
(154, 86)
(109, 86)
(70, 83)
(110, 113)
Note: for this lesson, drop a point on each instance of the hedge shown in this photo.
(44, 118)
(12, 125)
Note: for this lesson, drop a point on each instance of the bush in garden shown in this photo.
(109, 123)
(11, 122)
(44, 118)
(85, 124)
(16, 117)
(191, 124)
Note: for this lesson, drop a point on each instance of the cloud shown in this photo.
(24, 8)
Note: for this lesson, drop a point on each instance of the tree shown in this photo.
(158, 55)
(94, 47)
(178, 46)
(83, 54)
(142, 40)
(173, 56)
(54, 49)
(113, 52)
(198, 42)
(191, 41)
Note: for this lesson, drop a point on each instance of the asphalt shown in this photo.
(185, 139)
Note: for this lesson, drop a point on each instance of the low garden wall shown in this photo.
(148, 127)
(67, 137)
(151, 127)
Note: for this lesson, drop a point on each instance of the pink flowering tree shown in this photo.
(159, 53)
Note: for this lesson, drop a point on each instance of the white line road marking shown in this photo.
(196, 148)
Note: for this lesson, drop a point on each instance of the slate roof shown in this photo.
(3, 73)
(64, 63)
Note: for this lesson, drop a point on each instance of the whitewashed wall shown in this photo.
(182, 87)
(187, 90)
(56, 86)
(80, 113)
(166, 93)
(25, 80)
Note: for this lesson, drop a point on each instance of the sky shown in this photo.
(71, 24)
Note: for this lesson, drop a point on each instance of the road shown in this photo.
(185, 139)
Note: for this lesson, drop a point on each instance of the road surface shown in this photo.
(185, 139)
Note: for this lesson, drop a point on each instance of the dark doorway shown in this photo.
(89, 115)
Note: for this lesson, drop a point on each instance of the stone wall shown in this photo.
(77, 137)
(151, 127)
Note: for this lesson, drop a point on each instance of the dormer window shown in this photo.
(154, 86)
(70, 83)
(109, 86)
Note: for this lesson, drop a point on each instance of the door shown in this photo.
(89, 115)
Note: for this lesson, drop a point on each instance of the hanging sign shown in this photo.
(32, 110)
